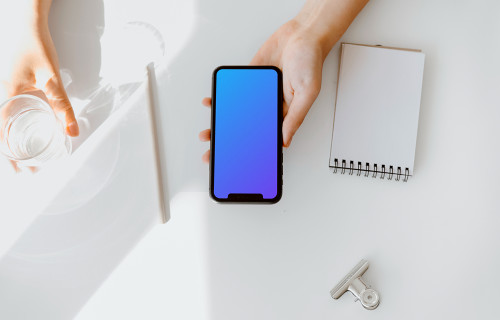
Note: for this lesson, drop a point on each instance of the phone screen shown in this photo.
(246, 134)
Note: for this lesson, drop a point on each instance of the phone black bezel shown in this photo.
(250, 198)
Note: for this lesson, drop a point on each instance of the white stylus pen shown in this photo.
(159, 155)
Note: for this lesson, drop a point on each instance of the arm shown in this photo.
(29, 61)
(299, 48)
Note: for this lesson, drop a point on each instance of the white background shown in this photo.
(432, 242)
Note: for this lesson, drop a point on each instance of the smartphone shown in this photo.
(246, 155)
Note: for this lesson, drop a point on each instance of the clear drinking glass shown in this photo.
(30, 132)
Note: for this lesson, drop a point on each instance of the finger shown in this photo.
(286, 107)
(297, 112)
(34, 169)
(206, 156)
(207, 102)
(204, 135)
(38, 93)
(62, 106)
(15, 166)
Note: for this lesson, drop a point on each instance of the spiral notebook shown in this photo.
(376, 111)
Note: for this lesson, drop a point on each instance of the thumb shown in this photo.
(59, 101)
(300, 105)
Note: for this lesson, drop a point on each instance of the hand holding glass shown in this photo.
(30, 132)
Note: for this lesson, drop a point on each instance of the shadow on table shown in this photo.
(108, 204)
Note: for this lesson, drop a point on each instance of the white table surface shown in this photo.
(432, 242)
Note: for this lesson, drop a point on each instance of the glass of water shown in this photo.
(30, 132)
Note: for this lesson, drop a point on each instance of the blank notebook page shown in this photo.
(377, 107)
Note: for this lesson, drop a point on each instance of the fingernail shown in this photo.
(73, 129)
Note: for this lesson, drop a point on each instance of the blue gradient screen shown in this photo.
(245, 158)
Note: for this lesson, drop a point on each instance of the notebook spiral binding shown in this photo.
(374, 171)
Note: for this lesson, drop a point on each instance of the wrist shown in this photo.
(325, 21)
(310, 27)
(317, 25)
